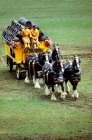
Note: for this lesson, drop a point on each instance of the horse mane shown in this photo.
(67, 64)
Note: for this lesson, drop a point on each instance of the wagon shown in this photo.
(17, 55)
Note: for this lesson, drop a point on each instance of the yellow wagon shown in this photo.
(14, 47)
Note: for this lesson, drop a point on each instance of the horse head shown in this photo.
(76, 63)
(43, 57)
(55, 52)
(58, 66)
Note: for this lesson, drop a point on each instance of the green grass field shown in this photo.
(25, 113)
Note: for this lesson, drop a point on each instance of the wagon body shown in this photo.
(19, 54)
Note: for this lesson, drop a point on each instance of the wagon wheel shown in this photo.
(9, 64)
(18, 72)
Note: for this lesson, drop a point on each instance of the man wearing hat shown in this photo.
(25, 33)
(34, 34)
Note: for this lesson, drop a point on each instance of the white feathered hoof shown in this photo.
(63, 95)
(37, 84)
(72, 95)
(53, 98)
(27, 80)
(76, 95)
(47, 91)
(41, 81)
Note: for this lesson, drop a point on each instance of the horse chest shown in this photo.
(75, 78)
(56, 78)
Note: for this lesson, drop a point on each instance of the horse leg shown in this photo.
(34, 79)
(67, 89)
(75, 94)
(27, 78)
(63, 94)
(47, 91)
(59, 89)
(41, 80)
(45, 79)
(37, 85)
(53, 98)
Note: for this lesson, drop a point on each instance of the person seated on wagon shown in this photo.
(25, 33)
(34, 34)
(14, 42)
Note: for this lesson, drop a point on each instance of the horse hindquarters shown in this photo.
(28, 67)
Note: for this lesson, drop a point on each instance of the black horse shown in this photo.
(72, 73)
(34, 65)
(53, 75)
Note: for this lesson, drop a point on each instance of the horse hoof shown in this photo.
(47, 94)
(37, 87)
(65, 93)
(72, 95)
(62, 97)
(53, 99)
(27, 81)
(76, 96)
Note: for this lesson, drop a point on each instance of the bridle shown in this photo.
(60, 65)
(76, 63)
(55, 53)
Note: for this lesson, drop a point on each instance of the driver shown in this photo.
(25, 33)
(34, 34)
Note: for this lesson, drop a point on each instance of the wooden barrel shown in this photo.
(25, 22)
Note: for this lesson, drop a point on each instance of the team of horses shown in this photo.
(50, 67)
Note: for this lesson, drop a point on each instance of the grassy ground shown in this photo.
(25, 113)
